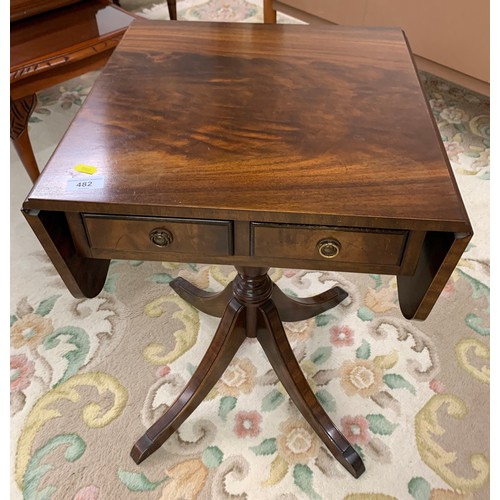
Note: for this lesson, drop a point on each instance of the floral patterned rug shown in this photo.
(89, 376)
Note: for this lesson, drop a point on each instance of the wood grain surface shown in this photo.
(51, 47)
(326, 124)
(63, 36)
(21, 9)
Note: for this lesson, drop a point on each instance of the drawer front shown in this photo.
(324, 243)
(159, 235)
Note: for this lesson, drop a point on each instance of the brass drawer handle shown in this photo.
(161, 237)
(329, 248)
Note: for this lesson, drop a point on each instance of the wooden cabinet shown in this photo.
(449, 38)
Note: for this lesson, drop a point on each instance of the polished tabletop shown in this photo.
(222, 119)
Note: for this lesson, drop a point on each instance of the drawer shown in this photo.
(157, 235)
(326, 243)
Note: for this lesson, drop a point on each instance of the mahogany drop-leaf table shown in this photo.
(256, 146)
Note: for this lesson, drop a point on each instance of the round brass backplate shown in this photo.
(329, 248)
(161, 237)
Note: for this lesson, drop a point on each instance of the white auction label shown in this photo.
(85, 184)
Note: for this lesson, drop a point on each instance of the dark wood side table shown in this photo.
(257, 146)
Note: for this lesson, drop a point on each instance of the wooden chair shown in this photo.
(52, 41)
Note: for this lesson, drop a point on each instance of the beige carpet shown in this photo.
(89, 376)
